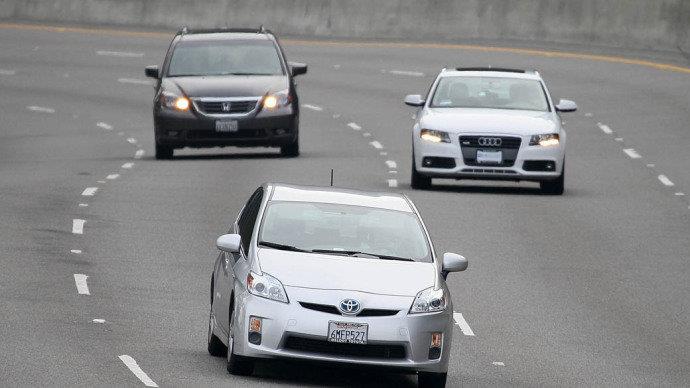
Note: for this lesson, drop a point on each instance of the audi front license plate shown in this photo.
(226, 126)
(348, 333)
(489, 157)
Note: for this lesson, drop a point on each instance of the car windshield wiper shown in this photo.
(239, 73)
(356, 253)
(283, 247)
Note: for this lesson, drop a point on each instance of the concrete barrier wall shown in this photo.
(643, 24)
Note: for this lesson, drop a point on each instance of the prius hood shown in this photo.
(330, 272)
(503, 121)
(228, 86)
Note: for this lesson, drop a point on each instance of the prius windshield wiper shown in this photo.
(282, 247)
(358, 253)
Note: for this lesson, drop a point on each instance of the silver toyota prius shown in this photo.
(334, 275)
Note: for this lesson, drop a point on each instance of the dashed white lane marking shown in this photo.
(122, 54)
(128, 165)
(336, 67)
(80, 281)
(632, 153)
(376, 145)
(336, 116)
(366, 134)
(7, 72)
(407, 73)
(41, 109)
(83, 205)
(498, 363)
(105, 126)
(76, 251)
(392, 172)
(650, 165)
(680, 194)
(391, 164)
(134, 81)
(78, 226)
(139, 154)
(464, 326)
(312, 107)
(100, 181)
(383, 153)
(604, 128)
(664, 179)
(134, 367)
(618, 139)
(120, 133)
(112, 176)
(98, 320)
(588, 114)
(392, 183)
(131, 140)
(354, 126)
(89, 191)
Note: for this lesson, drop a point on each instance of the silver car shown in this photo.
(334, 275)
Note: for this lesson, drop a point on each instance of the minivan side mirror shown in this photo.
(229, 243)
(452, 262)
(566, 106)
(152, 71)
(414, 100)
(297, 68)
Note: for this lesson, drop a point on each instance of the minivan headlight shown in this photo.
(429, 301)
(549, 139)
(173, 101)
(266, 286)
(434, 136)
(277, 100)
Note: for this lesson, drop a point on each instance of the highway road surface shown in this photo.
(106, 253)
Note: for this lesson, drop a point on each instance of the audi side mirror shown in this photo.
(414, 100)
(566, 106)
(152, 71)
(453, 262)
(229, 243)
(297, 68)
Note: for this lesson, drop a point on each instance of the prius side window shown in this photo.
(248, 218)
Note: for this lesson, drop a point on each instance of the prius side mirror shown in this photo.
(453, 262)
(566, 106)
(229, 243)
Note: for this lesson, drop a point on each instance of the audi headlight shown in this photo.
(266, 286)
(429, 301)
(277, 100)
(549, 139)
(434, 136)
(173, 101)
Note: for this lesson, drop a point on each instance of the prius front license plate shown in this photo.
(348, 333)
(226, 126)
(489, 157)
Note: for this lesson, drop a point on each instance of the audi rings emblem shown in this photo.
(349, 306)
(489, 141)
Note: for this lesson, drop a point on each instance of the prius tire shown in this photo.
(431, 380)
(419, 181)
(215, 347)
(236, 365)
(163, 151)
(556, 186)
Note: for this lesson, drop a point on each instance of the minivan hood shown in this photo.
(330, 272)
(230, 86)
(504, 121)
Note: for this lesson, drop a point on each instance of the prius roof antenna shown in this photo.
(331, 177)
(262, 29)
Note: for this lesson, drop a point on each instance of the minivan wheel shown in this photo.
(163, 151)
(431, 380)
(237, 365)
(418, 180)
(290, 150)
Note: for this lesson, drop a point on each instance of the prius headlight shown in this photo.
(266, 286)
(277, 100)
(546, 140)
(429, 301)
(434, 136)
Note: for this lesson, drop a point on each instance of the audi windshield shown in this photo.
(490, 93)
(230, 57)
(344, 229)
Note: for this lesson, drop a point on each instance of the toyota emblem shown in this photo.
(490, 141)
(349, 306)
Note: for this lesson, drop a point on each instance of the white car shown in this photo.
(489, 123)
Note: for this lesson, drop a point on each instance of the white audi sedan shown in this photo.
(332, 275)
(489, 123)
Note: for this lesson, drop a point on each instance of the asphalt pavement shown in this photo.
(107, 252)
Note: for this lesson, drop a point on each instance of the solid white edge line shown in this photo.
(134, 81)
(122, 54)
(464, 326)
(105, 126)
(354, 126)
(89, 191)
(605, 128)
(665, 181)
(376, 145)
(78, 226)
(391, 164)
(80, 282)
(392, 183)
(632, 153)
(138, 372)
(40, 109)
(312, 107)
(128, 165)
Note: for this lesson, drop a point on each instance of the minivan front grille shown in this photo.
(221, 107)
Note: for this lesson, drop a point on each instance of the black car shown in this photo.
(225, 87)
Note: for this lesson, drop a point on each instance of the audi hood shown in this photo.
(332, 272)
(499, 121)
(227, 86)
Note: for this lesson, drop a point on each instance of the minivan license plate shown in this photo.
(226, 126)
(350, 333)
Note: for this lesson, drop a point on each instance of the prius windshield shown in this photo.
(229, 57)
(344, 229)
(490, 92)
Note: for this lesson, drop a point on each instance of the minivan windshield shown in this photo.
(344, 229)
(230, 57)
(489, 92)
